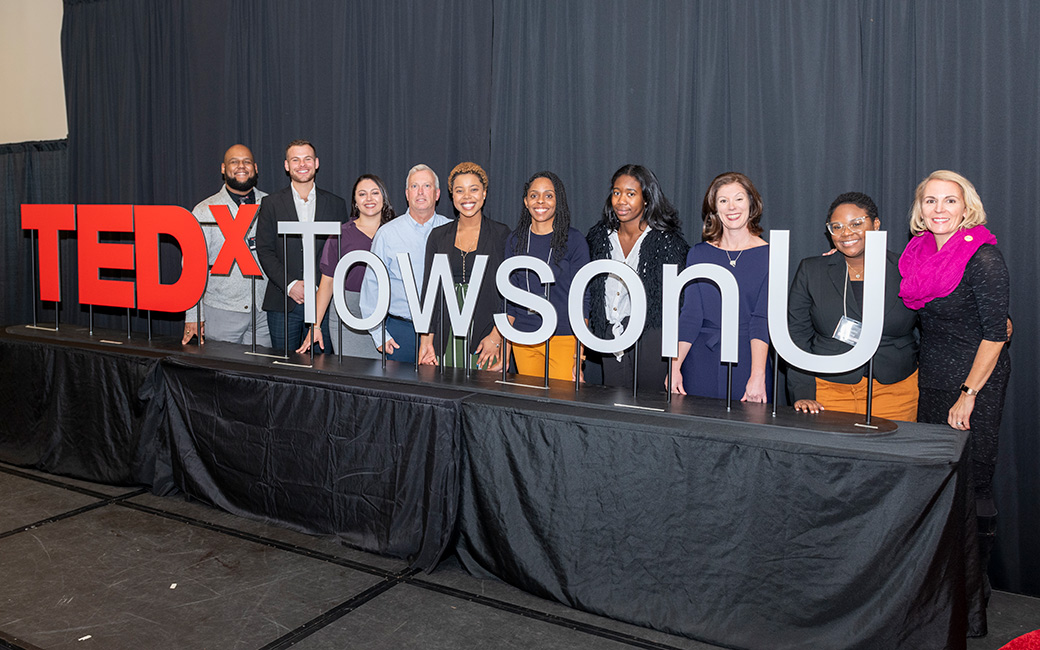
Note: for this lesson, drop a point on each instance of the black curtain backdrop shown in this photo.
(809, 98)
(30, 172)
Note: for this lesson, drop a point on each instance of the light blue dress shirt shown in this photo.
(402, 235)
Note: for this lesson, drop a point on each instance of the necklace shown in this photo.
(857, 274)
(733, 260)
(527, 273)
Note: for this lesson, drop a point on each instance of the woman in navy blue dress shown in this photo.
(731, 238)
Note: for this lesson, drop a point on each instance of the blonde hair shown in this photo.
(467, 168)
(974, 213)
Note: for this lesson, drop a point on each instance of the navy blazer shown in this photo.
(814, 308)
(277, 207)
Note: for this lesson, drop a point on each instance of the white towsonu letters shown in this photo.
(440, 281)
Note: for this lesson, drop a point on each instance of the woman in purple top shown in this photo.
(731, 212)
(370, 208)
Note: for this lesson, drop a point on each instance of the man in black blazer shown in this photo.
(300, 201)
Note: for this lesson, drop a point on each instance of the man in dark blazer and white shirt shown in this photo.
(300, 201)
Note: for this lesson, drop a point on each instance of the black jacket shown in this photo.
(280, 207)
(492, 242)
(815, 307)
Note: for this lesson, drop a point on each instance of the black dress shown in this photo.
(951, 329)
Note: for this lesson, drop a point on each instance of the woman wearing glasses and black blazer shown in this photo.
(828, 292)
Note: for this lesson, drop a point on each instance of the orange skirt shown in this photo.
(530, 359)
(896, 401)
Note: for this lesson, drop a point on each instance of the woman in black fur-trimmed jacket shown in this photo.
(641, 229)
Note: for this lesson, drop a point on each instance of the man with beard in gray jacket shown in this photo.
(226, 305)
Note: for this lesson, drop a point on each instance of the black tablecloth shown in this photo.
(82, 411)
(364, 460)
(740, 535)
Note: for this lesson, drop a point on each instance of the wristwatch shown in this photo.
(968, 391)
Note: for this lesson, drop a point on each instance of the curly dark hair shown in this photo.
(858, 199)
(658, 211)
(561, 222)
(712, 230)
(388, 210)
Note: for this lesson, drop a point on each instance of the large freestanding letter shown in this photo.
(636, 293)
(441, 280)
(150, 221)
(730, 317)
(47, 220)
(235, 228)
(339, 278)
(308, 231)
(873, 308)
(95, 255)
(531, 301)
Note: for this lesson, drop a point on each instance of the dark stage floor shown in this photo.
(91, 566)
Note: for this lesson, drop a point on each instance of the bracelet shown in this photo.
(968, 391)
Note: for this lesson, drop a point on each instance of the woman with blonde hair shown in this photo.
(956, 278)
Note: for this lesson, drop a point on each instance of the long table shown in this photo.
(749, 530)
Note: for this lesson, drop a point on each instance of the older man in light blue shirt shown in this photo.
(405, 234)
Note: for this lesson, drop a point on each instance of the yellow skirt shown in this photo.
(896, 401)
(530, 359)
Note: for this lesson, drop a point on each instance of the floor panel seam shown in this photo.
(13, 471)
(552, 619)
(339, 611)
(265, 541)
(68, 514)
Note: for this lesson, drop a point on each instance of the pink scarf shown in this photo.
(930, 273)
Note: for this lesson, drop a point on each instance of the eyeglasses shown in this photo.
(835, 228)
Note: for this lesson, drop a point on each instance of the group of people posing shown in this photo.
(942, 356)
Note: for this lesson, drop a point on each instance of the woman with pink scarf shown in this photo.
(955, 276)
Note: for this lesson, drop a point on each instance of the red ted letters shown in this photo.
(141, 255)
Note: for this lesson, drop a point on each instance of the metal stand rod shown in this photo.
(383, 326)
(635, 369)
(505, 362)
(285, 291)
(90, 312)
(129, 325)
(332, 303)
(729, 386)
(577, 364)
(32, 272)
(252, 311)
(416, 351)
(870, 389)
(198, 323)
(547, 345)
(150, 325)
(668, 381)
(442, 335)
(468, 358)
(776, 380)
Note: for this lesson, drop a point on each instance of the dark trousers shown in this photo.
(276, 323)
(403, 333)
(653, 369)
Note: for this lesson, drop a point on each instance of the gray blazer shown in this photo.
(230, 292)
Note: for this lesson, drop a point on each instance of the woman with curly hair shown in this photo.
(544, 231)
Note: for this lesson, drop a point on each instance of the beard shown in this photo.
(243, 186)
